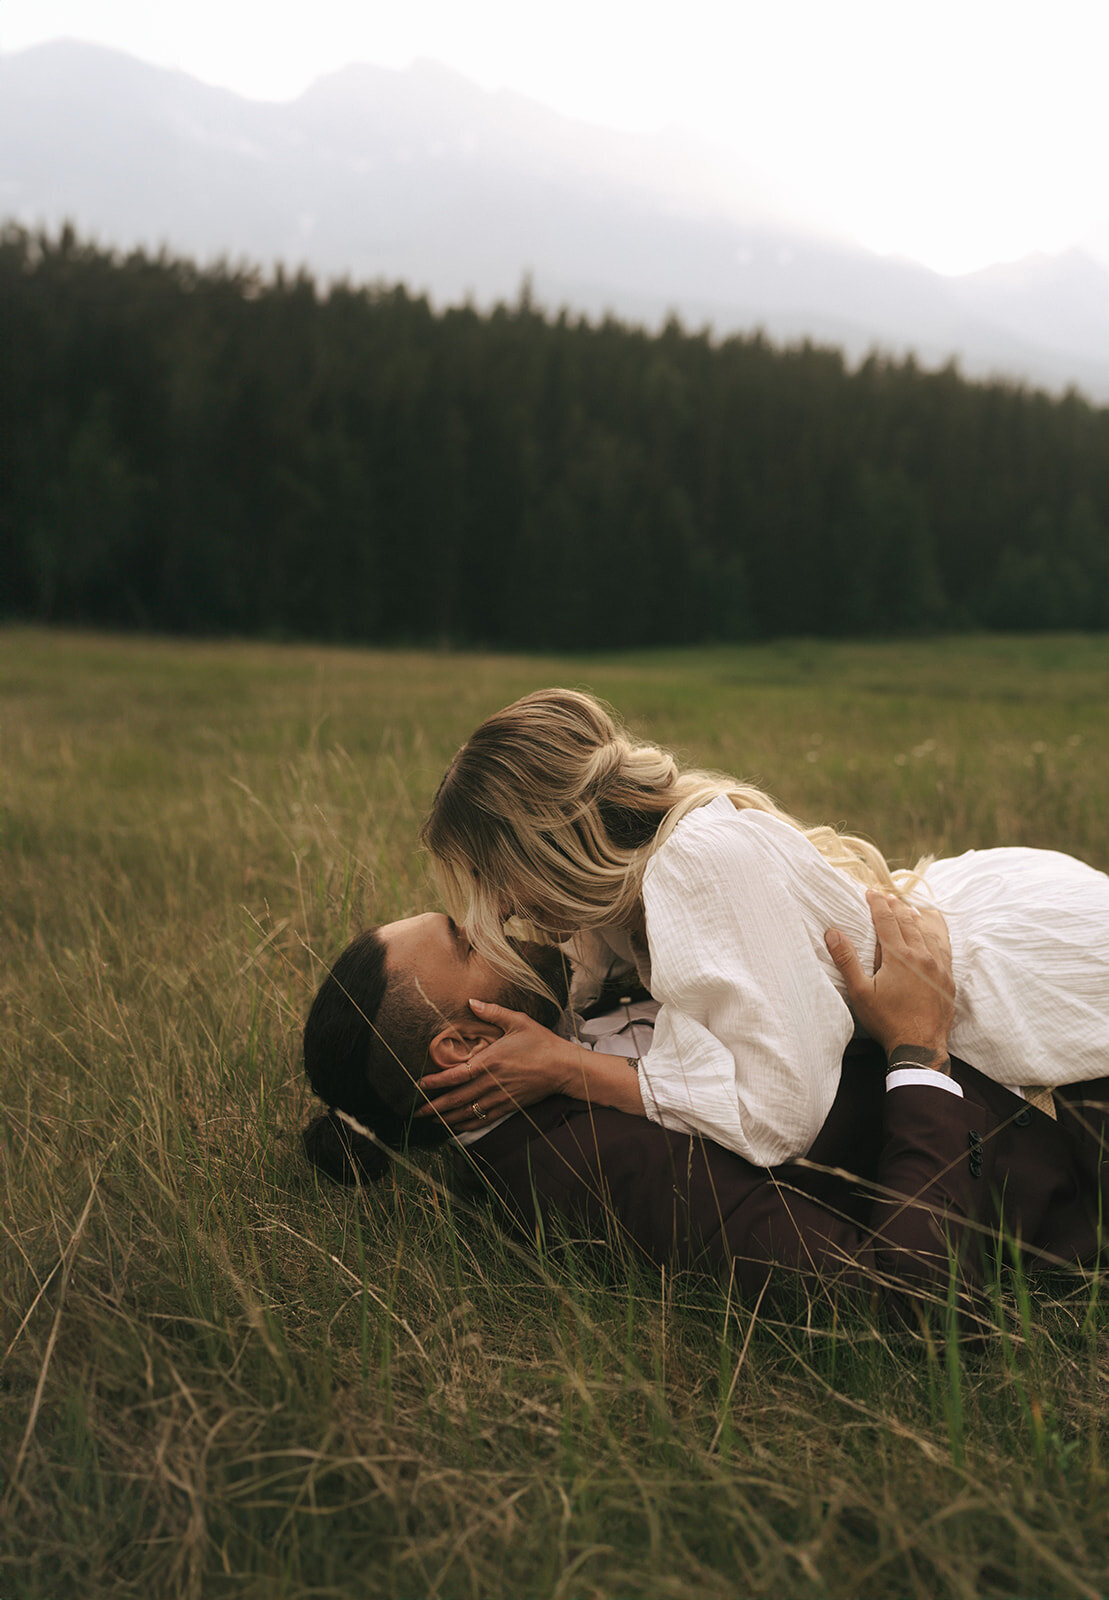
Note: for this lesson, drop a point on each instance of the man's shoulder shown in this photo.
(567, 1152)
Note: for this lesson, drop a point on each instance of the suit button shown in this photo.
(1022, 1118)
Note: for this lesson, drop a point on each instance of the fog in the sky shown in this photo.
(957, 132)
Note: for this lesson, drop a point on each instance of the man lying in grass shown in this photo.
(921, 1158)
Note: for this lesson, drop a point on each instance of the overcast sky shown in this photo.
(958, 132)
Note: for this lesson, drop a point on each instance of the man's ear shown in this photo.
(455, 1043)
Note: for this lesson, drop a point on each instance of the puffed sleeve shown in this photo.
(748, 1044)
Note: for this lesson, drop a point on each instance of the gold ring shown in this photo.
(478, 1112)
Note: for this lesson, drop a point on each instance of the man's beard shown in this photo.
(551, 968)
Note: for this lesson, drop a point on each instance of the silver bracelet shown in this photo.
(913, 1055)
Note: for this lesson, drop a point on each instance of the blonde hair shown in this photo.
(551, 811)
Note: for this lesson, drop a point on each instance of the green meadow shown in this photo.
(224, 1377)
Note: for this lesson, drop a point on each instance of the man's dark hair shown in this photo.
(365, 1049)
(366, 1045)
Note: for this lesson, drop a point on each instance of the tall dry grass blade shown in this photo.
(51, 1342)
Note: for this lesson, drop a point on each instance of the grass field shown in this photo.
(221, 1377)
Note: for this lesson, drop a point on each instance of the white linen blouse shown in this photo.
(748, 1043)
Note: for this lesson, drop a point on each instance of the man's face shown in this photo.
(436, 953)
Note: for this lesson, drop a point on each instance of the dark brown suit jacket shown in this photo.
(897, 1187)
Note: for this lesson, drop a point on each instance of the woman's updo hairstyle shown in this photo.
(551, 810)
(352, 1069)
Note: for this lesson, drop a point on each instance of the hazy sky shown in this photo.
(958, 132)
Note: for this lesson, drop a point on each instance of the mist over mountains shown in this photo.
(423, 177)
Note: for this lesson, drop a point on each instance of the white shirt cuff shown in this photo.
(901, 1077)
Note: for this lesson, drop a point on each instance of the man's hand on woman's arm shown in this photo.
(908, 1005)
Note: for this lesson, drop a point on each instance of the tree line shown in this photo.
(210, 450)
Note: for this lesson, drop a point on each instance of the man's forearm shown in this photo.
(925, 1057)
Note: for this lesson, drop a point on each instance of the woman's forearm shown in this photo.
(524, 1064)
(603, 1080)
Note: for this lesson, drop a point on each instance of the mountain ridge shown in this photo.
(423, 177)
